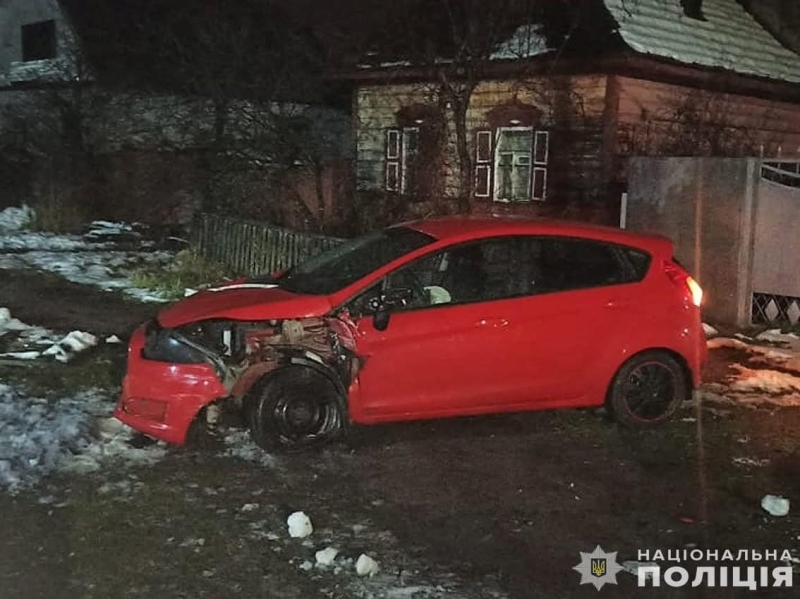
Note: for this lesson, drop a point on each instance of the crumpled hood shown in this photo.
(243, 302)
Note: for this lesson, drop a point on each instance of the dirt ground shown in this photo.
(478, 507)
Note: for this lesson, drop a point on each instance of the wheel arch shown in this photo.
(677, 356)
(262, 376)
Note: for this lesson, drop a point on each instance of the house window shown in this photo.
(402, 153)
(39, 41)
(515, 170)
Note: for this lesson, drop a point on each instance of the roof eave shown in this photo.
(624, 63)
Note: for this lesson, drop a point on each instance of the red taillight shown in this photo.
(682, 278)
(695, 290)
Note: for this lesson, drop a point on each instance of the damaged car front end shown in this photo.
(280, 349)
(174, 374)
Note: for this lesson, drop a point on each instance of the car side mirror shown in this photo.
(396, 296)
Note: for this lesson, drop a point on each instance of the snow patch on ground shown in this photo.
(111, 270)
(767, 381)
(40, 436)
(14, 219)
(238, 444)
(768, 375)
(106, 256)
(35, 240)
(29, 342)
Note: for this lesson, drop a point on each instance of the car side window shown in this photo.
(451, 276)
(568, 263)
(507, 267)
(486, 270)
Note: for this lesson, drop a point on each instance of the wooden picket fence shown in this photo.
(251, 247)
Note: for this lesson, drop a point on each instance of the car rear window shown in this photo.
(639, 262)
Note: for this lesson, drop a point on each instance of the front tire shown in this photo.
(647, 389)
(295, 407)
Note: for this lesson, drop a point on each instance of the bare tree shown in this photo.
(452, 43)
(701, 123)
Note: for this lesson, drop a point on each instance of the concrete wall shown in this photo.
(705, 205)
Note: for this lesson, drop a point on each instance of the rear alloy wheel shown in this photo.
(648, 389)
(295, 407)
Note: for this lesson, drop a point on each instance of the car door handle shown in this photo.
(495, 323)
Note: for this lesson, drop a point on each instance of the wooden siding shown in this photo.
(376, 109)
(572, 109)
(650, 112)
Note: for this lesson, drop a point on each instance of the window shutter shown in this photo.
(409, 161)
(392, 159)
(483, 163)
(541, 156)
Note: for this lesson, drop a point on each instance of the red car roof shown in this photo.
(473, 226)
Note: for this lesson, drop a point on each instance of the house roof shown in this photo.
(585, 34)
(728, 38)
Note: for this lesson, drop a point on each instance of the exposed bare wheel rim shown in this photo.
(300, 418)
(298, 407)
(650, 390)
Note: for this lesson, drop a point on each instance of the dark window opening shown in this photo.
(693, 9)
(39, 41)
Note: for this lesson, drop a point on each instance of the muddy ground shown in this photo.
(479, 507)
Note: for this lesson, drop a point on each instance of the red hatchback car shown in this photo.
(436, 318)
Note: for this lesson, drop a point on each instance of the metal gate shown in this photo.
(776, 248)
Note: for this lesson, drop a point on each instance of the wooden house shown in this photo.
(554, 117)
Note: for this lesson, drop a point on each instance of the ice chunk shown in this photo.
(299, 525)
(366, 566)
(775, 505)
(9, 323)
(21, 355)
(325, 557)
(75, 342)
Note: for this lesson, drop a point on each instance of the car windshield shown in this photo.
(347, 263)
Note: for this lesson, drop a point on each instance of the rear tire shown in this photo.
(647, 389)
(295, 407)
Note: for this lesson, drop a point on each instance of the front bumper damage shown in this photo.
(173, 374)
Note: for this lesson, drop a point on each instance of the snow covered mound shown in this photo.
(34, 342)
(14, 219)
(41, 436)
(769, 372)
